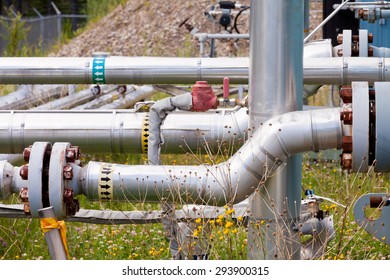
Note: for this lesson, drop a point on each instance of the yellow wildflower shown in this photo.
(228, 224)
(225, 231)
(198, 220)
(230, 211)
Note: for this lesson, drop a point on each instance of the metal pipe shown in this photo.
(275, 82)
(230, 182)
(53, 237)
(108, 95)
(120, 70)
(134, 95)
(345, 70)
(73, 100)
(162, 70)
(121, 131)
(30, 96)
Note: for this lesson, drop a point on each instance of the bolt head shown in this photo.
(26, 154)
(23, 172)
(346, 161)
(72, 154)
(68, 172)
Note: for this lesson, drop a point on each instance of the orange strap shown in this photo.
(47, 224)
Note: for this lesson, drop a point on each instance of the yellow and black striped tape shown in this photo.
(145, 134)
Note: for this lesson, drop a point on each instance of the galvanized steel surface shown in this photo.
(120, 131)
(163, 70)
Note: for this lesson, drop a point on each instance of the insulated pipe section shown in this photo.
(229, 182)
(163, 70)
(122, 131)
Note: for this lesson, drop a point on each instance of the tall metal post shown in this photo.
(276, 85)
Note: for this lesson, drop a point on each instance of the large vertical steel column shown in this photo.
(276, 85)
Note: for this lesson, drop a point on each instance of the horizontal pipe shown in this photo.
(30, 96)
(121, 131)
(73, 100)
(229, 182)
(120, 70)
(133, 95)
(163, 70)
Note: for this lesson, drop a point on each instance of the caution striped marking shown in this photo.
(145, 134)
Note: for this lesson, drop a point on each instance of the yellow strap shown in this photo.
(47, 224)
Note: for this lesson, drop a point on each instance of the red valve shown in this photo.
(203, 97)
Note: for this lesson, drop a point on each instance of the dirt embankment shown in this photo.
(152, 28)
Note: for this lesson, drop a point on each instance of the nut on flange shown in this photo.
(346, 161)
(23, 172)
(23, 195)
(72, 205)
(72, 154)
(68, 172)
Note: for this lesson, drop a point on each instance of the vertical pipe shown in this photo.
(276, 86)
(53, 237)
(306, 20)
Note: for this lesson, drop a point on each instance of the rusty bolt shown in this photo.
(355, 38)
(346, 116)
(26, 208)
(370, 51)
(72, 205)
(68, 194)
(346, 94)
(370, 37)
(23, 194)
(361, 14)
(23, 172)
(68, 172)
(340, 38)
(122, 89)
(26, 154)
(347, 144)
(72, 154)
(346, 161)
(340, 52)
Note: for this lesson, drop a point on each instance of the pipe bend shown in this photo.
(274, 142)
(232, 181)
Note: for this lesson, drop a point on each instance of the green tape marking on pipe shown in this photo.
(98, 70)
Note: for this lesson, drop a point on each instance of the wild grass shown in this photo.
(227, 237)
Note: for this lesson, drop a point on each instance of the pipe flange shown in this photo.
(382, 133)
(380, 227)
(6, 171)
(58, 174)
(38, 177)
(360, 126)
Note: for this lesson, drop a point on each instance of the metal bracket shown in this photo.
(379, 228)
